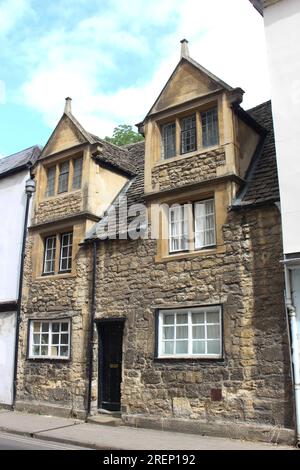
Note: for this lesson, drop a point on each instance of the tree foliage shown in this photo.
(124, 134)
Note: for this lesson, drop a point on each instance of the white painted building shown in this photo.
(14, 172)
(282, 30)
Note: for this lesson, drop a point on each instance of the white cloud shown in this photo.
(12, 11)
(225, 37)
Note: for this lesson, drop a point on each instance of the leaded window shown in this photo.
(210, 128)
(77, 173)
(63, 180)
(169, 140)
(188, 134)
(50, 181)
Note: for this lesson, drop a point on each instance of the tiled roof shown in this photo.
(261, 179)
(19, 161)
(117, 157)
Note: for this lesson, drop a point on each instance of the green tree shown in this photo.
(124, 134)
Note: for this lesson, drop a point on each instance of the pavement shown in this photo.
(96, 436)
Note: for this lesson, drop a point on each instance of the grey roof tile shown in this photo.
(19, 160)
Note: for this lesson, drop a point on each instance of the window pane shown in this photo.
(64, 326)
(36, 350)
(168, 332)
(213, 332)
(198, 347)
(63, 179)
(181, 347)
(198, 317)
(213, 347)
(55, 339)
(45, 338)
(44, 350)
(64, 339)
(188, 134)
(36, 326)
(169, 347)
(204, 224)
(54, 350)
(210, 131)
(213, 317)
(181, 332)
(55, 327)
(77, 175)
(198, 332)
(181, 318)
(50, 181)
(169, 140)
(45, 326)
(36, 339)
(64, 351)
(178, 228)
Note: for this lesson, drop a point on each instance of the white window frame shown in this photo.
(53, 251)
(69, 247)
(180, 212)
(206, 229)
(189, 312)
(50, 337)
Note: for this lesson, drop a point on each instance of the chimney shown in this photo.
(184, 49)
(68, 106)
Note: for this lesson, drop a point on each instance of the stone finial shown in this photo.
(68, 105)
(184, 48)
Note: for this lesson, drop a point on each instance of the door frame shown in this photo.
(101, 376)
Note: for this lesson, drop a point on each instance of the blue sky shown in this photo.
(113, 57)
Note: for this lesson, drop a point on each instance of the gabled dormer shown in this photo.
(192, 132)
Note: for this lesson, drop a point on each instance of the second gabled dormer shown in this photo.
(192, 133)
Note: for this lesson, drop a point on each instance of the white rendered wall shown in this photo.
(7, 354)
(12, 211)
(282, 26)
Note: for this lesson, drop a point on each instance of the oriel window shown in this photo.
(63, 180)
(188, 134)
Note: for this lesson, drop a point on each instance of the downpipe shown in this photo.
(294, 352)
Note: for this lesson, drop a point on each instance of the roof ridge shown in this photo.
(259, 106)
(20, 151)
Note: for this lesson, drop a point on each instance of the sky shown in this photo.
(113, 57)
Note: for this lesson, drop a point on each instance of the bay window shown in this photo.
(190, 332)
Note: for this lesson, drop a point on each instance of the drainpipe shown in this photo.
(91, 333)
(295, 350)
(29, 190)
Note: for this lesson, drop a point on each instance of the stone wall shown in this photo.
(202, 167)
(57, 383)
(254, 376)
(60, 206)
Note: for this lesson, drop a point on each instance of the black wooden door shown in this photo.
(110, 364)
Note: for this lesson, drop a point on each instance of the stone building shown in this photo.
(188, 328)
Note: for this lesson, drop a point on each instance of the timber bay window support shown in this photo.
(197, 131)
(58, 253)
(192, 226)
(64, 177)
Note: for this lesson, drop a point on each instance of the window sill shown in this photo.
(160, 258)
(183, 156)
(68, 275)
(204, 359)
(48, 359)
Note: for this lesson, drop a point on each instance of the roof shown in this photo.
(19, 161)
(261, 179)
(132, 192)
(258, 5)
(111, 155)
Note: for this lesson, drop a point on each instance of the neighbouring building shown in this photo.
(188, 329)
(14, 172)
(282, 31)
